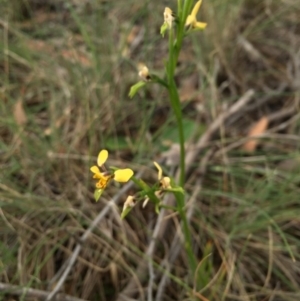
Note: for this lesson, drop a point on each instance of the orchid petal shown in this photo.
(192, 18)
(200, 25)
(196, 9)
(95, 169)
(102, 157)
(189, 20)
(159, 170)
(166, 182)
(123, 175)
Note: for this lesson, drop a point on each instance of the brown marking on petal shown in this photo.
(103, 182)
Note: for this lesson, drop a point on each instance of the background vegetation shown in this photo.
(67, 67)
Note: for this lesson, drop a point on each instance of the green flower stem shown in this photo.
(187, 233)
(171, 61)
(183, 13)
(179, 8)
(144, 187)
(157, 79)
(176, 106)
(174, 50)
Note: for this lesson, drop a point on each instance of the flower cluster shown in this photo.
(104, 177)
(184, 24)
(164, 184)
(153, 193)
(191, 20)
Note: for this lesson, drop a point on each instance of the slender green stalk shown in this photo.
(174, 50)
(175, 102)
(179, 8)
(180, 31)
(187, 234)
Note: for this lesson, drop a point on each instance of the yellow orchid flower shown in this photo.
(164, 183)
(104, 177)
(192, 20)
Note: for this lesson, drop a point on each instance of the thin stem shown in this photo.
(187, 233)
(174, 50)
(175, 101)
(180, 31)
(179, 8)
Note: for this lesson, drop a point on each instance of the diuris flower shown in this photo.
(120, 175)
(192, 20)
(164, 183)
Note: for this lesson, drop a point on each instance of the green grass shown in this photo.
(67, 67)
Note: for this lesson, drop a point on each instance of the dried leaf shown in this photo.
(258, 128)
(19, 113)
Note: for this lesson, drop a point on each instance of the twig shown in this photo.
(271, 255)
(255, 104)
(85, 235)
(34, 293)
(151, 280)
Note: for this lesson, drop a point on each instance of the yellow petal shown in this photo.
(123, 175)
(196, 9)
(200, 25)
(95, 169)
(102, 157)
(159, 170)
(166, 183)
(189, 20)
(103, 181)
